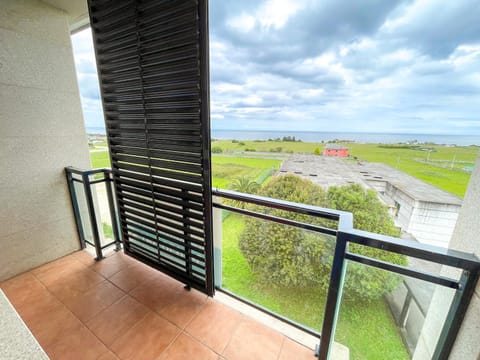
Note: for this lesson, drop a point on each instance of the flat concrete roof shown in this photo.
(332, 171)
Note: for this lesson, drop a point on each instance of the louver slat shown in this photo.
(152, 60)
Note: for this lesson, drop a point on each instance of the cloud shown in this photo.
(335, 65)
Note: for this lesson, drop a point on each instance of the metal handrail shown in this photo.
(84, 178)
(469, 264)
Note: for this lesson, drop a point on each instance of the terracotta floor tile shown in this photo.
(50, 325)
(72, 284)
(184, 307)
(252, 340)
(156, 295)
(57, 269)
(111, 265)
(293, 350)
(214, 325)
(146, 340)
(86, 305)
(84, 257)
(131, 277)
(23, 289)
(185, 347)
(117, 319)
(108, 356)
(78, 343)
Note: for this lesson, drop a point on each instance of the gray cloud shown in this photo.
(336, 65)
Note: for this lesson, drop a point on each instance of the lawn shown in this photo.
(409, 161)
(100, 159)
(453, 180)
(224, 168)
(367, 329)
(266, 146)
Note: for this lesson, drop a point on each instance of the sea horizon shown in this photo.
(325, 136)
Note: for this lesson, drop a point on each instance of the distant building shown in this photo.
(424, 211)
(335, 150)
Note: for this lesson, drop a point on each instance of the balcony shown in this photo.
(78, 308)
(119, 304)
(99, 303)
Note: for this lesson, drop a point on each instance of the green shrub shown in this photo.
(316, 151)
(217, 150)
(276, 149)
(289, 256)
(250, 149)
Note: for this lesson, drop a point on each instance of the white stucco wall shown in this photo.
(41, 132)
(429, 222)
(433, 223)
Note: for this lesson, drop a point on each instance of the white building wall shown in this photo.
(433, 223)
(41, 132)
(407, 205)
(429, 222)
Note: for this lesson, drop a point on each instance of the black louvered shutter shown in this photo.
(152, 59)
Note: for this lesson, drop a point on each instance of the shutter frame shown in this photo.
(153, 66)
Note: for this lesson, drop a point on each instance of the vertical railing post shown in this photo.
(456, 313)
(402, 322)
(113, 213)
(92, 216)
(217, 242)
(334, 298)
(76, 209)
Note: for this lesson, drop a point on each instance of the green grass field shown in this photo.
(359, 325)
(224, 168)
(409, 161)
(453, 180)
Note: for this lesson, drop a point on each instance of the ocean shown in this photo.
(319, 136)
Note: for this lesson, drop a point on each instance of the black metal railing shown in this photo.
(86, 179)
(468, 264)
(344, 234)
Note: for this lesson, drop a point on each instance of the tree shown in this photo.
(245, 185)
(290, 256)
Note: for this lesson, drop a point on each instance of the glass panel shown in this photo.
(386, 316)
(282, 268)
(83, 209)
(102, 210)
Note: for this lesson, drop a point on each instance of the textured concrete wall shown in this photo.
(433, 223)
(430, 223)
(41, 132)
(464, 238)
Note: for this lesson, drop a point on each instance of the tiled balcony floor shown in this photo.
(119, 308)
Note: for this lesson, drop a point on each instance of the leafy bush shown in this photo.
(217, 150)
(250, 149)
(276, 149)
(316, 151)
(288, 256)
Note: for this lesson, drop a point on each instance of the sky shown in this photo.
(333, 65)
